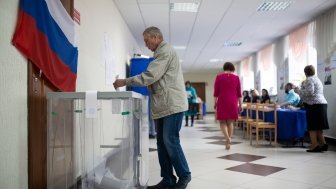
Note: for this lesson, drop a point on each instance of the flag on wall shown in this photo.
(45, 34)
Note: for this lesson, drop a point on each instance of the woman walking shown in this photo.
(227, 93)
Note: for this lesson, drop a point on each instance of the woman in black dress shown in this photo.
(316, 106)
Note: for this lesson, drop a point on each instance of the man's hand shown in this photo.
(119, 83)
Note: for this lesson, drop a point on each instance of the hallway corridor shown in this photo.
(245, 166)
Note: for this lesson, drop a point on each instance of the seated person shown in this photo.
(265, 98)
(246, 96)
(291, 98)
(255, 96)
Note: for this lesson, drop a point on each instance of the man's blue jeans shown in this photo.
(169, 149)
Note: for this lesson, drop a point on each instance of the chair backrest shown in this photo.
(256, 109)
(267, 109)
(246, 109)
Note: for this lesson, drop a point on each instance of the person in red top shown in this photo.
(227, 93)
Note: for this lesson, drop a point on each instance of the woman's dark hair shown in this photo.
(265, 92)
(228, 66)
(246, 92)
(187, 83)
(309, 70)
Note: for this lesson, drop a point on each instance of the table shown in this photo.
(291, 124)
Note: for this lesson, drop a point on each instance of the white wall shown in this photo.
(13, 104)
(209, 79)
(330, 93)
(97, 18)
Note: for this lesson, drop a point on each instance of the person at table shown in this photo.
(291, 98)
(192, 106)
(246, 96)
(255, 96)
(316, 106)
(227, 93)
(265, 98)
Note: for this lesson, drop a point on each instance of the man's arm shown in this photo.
(156, 69)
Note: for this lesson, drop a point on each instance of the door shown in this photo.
(200, 89)
(38, 87)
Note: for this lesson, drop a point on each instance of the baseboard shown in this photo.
(330, 140)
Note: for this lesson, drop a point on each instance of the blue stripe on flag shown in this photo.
(46, 24)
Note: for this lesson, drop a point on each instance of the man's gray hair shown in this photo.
(153, 31)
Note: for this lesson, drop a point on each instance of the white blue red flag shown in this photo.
(45, 34)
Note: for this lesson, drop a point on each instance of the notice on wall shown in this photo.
(327, 77)
(109, 60)
(320, 68)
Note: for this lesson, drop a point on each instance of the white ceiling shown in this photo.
(217, 21)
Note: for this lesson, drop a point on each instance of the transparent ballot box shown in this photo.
(104, 147)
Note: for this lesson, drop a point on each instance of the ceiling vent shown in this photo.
(274, 5)
(232, 44)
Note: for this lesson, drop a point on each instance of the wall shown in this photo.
(209, 79)
(330, 93)
(13, 104)
(100, 19)
(97, 18)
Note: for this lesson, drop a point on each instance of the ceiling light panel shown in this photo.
(179, 47)
(184, 7)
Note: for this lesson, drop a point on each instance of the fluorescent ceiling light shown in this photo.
(184, 7)
(179, 47)
(232, 44)
(274, 5)
(216, 60)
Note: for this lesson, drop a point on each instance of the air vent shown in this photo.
(232, 44)
(274, 6)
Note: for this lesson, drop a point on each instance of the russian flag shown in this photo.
(45, 34)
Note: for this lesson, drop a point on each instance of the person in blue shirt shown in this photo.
(192, 110)
(291, 98)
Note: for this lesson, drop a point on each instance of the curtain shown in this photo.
(326, 34)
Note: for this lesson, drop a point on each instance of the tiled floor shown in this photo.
(245, 166)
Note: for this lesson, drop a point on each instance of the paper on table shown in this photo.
(91, 104)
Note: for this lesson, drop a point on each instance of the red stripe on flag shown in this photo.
(34, 45)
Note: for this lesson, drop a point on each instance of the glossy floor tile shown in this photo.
(245, 166)
(256, 169)
(242, 157)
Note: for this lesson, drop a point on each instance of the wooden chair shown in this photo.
(241, 118)
(249, 119)
(261, 124)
